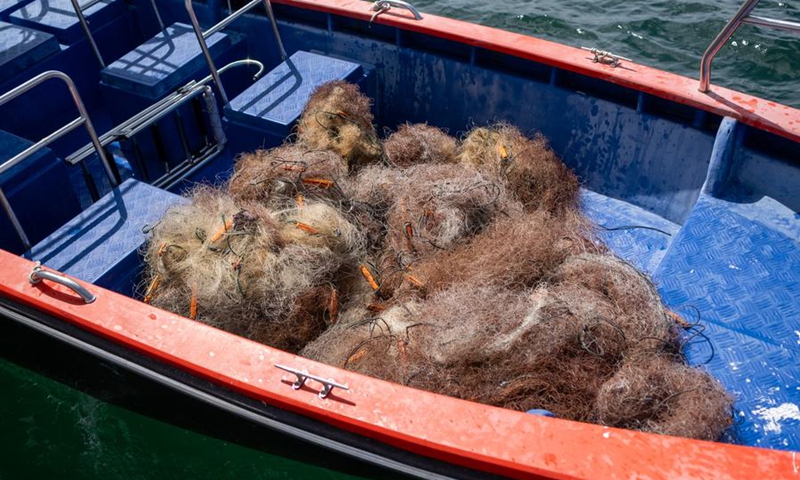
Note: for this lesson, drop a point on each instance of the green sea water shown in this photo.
(667, 34)
(85, 421)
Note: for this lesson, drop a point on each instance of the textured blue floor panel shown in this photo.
(21, 48)
(58, 17)
(632, 233)
(163, 62)
(275, 101)
(93, 245)
(736, 264)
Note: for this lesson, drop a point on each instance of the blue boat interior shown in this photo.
(707, 206)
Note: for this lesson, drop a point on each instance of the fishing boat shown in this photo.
(695, 184)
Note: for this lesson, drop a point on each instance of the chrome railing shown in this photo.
(128, 129)
(742, 16)
(83, 119)
(86, 30)
(203, 35)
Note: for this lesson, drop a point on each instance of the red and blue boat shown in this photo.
(170, 92)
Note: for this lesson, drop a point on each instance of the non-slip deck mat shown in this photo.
(163, 62)
(738, 265)
(58, 17)
(632, 233)
(275, 101)
(95, 244)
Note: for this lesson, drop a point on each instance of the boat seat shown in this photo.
(632, 233)
(29, 187)
(58, 17)
(163, 63)
(8, 6)
(274, 102)
(738, 265)
(100, 245)
(22, 48)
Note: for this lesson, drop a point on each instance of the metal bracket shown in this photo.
(328, 384)
(383, 6)
(604, 57)
(38, 274)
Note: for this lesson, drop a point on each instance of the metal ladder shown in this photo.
(202, 35)
(743, 15)
(127, 130)
(82, 120)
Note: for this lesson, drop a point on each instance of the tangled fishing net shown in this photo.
(267, 275)
(269, 176)
(464, 269)
(419, 144)
(533, 172)
(337, 117)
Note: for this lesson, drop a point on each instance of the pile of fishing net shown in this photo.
(460, 267)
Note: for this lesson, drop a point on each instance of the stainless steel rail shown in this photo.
(83, 119)
(147, 117)
(202, 35)
(86, 30)
(741, 16)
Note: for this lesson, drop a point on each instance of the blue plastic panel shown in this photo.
(739, 265)
(163, 62)
(96, 245)
(58, 17)
(21, 48)
(275, 102)
(8, 6)
(632, 233)
(30, 188)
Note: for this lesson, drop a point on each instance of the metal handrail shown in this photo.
(142, 120)
(86, 30)
(741, 16)
(83, 119)
(202, 35)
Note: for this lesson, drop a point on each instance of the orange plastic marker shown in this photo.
(227, 226)
(193, 303)
(151, 289)
(372, 283)
(307, 228)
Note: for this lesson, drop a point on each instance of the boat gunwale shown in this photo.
(468, 434)
(750, 110)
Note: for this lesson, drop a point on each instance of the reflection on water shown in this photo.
(671, 35)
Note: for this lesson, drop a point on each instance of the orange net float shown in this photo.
(225, 227)
(149, 294)
(193, 303)
(318, 182)
(333, 306)
(306, 228)
(368, 276)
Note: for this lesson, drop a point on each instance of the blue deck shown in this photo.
(707, 207)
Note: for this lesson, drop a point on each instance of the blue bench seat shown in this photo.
(8, 6)
(58, 17)
(738, 264)
(100, 245)
(22, 48)
(274, 102)
(30, 187)
(163, 63)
